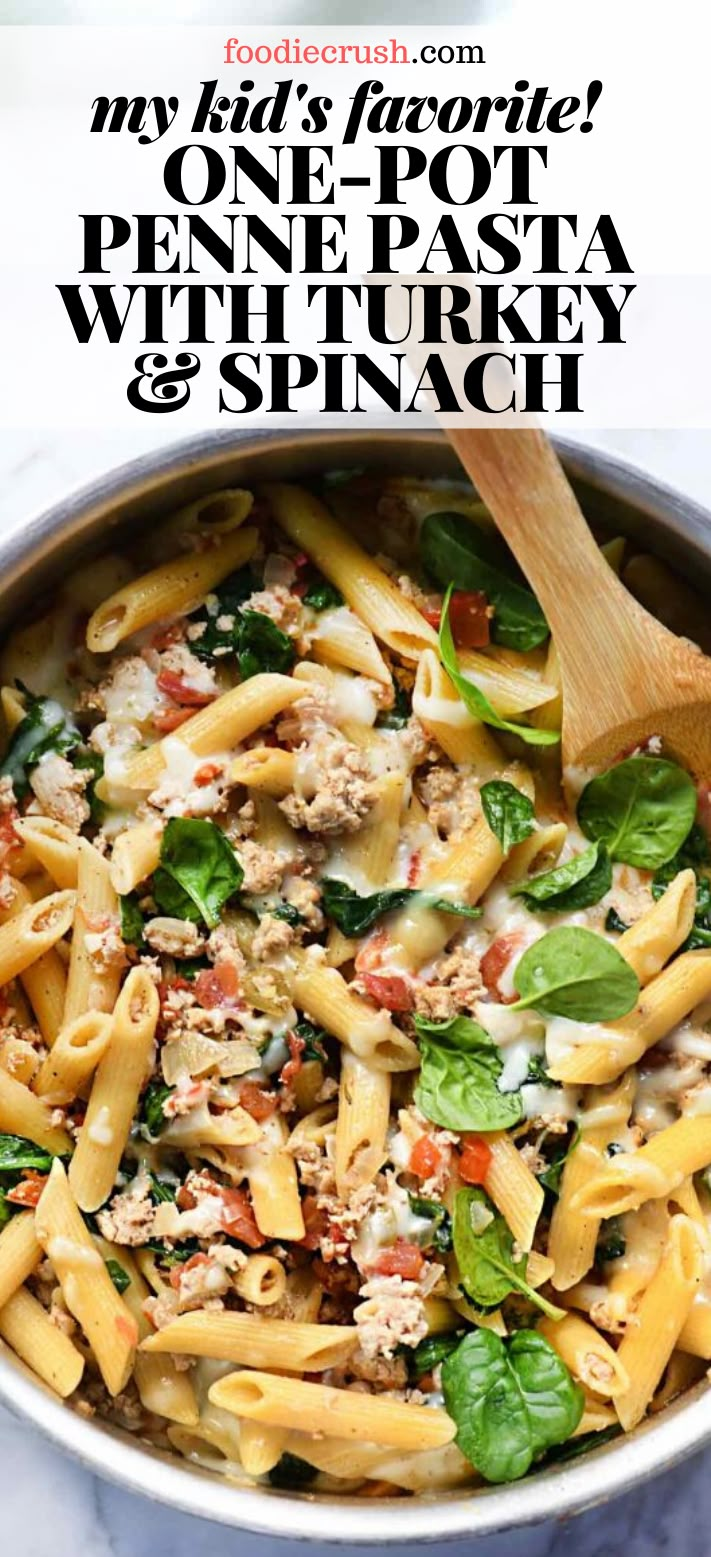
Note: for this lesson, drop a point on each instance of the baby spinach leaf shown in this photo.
(198, 872)
(551, 1176)
(173, 1254)
(354, 914)
(508, 811)
(613, 924)
(642, 809)
(398, 716)
(289, 914)
(217, 642)
(577, 884)
(575, 973)
(119, 1276)
(428, 1354)
(693, 853)
(612, 1244)
(314, 1038)
(484, 1251)
(262, 646)
(510, 1401)
(576, 1447)
(474, 699)
(320, 593)
(440, 1237)
(151, 1112)
(537, 1075)
(17, 1153)
(290, 1471)
(131, 919)
(454, 550)
(46, 727)
(460, 1069)
(161, 1190)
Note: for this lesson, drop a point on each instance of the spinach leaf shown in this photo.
(290, 1471)
(17, 1153)
(46, 727)
(613, 924)
(320, 593)
(510, 1402)
(314, 1038)
(463, 910)
(151, 1113)
(174, 1254)
(576, 1447)
(131, 919)
(262, 646)
(474, 699)
(575, 973)
(289, 914)
(430, 1352)
(460, 1069)
(198, 871)
(642, 810)
(693, 853)
(508, 811)
(216, 642)
(577, 884)
(537, 1075)
(484, 1251)
(454, 550)
(551, 1176)
(190, 967)
(398, 716)
(612, 1244)
(433, 1211)
(119, 1276)
(354, 914)
(161, 1190)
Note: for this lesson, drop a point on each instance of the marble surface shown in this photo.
(77, 1512)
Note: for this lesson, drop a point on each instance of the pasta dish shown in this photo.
(355, 1101)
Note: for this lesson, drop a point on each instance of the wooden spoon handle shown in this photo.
(522, 482)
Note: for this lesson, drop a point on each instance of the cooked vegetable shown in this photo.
(510, 1400)
(577, 884)
(642, 810)
(46, 727)
(132, 921)
(17, 1154)
(476, 700)
(458, 1081)
(119, 1276)
(508, 811)
(355, 915)
(573, 972)
(262, 646)
(198, 872)
(484, 1251)
(454, 551)
(440, 1237)
(151, 1115)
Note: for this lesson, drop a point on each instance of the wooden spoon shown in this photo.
(624, 676)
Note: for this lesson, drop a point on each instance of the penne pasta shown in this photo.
(174, 587)
(263, 1343)
(114, 1093)
(340, 1413)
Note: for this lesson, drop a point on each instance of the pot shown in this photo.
(96, 519)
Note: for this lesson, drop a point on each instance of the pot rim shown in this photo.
(661, 1442)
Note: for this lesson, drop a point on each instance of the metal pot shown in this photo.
(628, 502)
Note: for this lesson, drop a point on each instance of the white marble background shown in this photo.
(51, 1507)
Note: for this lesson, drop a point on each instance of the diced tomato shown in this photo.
(315, 1222)
(404, 1259)
(28, 1192)
(390, 990)
(494, 963)
(255, 1101)
(185, 1199)
(414, 868)
(174, 686)
(195, 1260)
(238, 1219)
(474, 1161)
(206, 774)
(217, 986)
(469, 618)
(291, 1070)
(433, 615)
(169, 719)
(165, 637)
(425, 1158)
